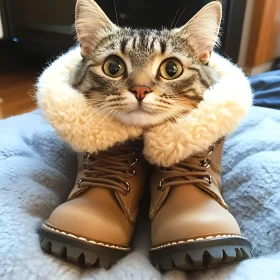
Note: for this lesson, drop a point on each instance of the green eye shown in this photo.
(114, 67)
(170, 69)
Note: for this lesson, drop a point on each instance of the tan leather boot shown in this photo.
(191, 226)
(96, 224)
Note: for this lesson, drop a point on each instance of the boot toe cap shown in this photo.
(102, 222)
(190, 220)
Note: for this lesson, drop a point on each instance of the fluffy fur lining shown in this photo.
(68, 112)
(222, 108)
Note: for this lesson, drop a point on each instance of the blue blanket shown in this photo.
(37, 172)
(266, 88)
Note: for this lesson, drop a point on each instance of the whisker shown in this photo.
(114, 112)
(116, 12)
(181, 15)
(171, 26)
(105, 116)
(88, 116)
(103, 110)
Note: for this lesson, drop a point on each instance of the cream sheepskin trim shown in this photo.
(222, 108)
(67, 110)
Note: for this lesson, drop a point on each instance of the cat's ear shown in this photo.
(91, 25)
(201, 32)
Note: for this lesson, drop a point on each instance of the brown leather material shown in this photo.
(189, 171)
(99, 212)
(185, 204)
(94, 215)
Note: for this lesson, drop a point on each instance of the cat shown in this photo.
(145, 77)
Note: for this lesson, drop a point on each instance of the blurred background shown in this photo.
(33, 33)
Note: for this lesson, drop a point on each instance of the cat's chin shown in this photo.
(141, 118)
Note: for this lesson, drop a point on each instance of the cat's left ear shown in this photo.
(91, 25)
(201, 32)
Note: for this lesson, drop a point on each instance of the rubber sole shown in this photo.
(201, 254)
(79, 251)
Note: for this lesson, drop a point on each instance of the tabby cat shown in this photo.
(145, 77)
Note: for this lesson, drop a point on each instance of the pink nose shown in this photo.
(140, 91)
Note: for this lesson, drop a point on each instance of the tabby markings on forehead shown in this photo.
(152, 43)
(124, 42)
(134, 43)
(162, 46)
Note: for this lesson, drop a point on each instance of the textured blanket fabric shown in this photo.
(37, 171)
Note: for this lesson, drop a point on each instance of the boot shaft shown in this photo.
(120, 170)
(202, 170)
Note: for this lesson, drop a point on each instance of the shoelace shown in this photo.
(108, 169)
(190, 171)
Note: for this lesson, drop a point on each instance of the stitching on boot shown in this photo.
(192, 240)
(87, 240)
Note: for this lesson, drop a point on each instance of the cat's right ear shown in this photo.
(91, 25)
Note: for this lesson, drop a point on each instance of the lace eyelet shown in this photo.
(132, 161)
(208, 178)
(85, 165)
(211, 149)
(161, 183)
(79, 183)
(130, 172)
(87, 156)
(134, 151)
(127, 187)
(206, 162)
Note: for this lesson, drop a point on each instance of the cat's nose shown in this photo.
(140, 91)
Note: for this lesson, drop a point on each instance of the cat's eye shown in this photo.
(114, 67)
(170, 69)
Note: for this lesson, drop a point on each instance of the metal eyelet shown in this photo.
(211, 149)
(134, 151)
(208, 178)
(132, 161)
(79, 183)
(85, 165)
(130, 172)
(206, 162)
(127, 187)
(87, 156)
(161, 183)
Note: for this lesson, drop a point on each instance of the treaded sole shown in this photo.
(79, 251)
(201, 254)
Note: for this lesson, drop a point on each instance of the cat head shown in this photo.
(144, 77)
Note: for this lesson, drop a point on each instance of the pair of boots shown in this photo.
(191, 226)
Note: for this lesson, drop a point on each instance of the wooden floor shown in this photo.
(18, 73)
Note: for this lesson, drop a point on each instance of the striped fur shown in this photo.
(143, 51)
